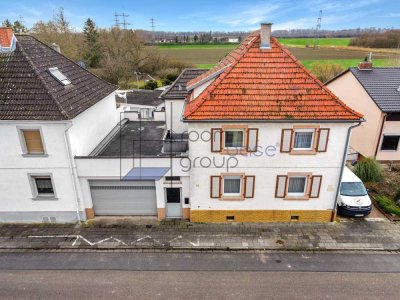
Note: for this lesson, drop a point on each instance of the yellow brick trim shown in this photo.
(220, 216)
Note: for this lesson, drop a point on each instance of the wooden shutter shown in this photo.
(323, 137)
(286, 140)
(249, 186)
(215, 187)
(315, 186)
(252, 139)
(33, 141)
(280, 189)
(216, 140)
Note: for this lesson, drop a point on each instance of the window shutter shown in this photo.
(286, 140)
(315, 186)
(323, 136)
(215, 190)
(249, 186)
(281, 182)
(216, 139)
(33, 141)
(252, 139)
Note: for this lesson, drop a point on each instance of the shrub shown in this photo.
(151, 85)
(368, 170)
(325, 71)
(397, 196)
(388, 205)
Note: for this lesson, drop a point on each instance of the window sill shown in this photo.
(34, 155)
(44, 198)
(303, 152)
(231, 198)
(234, 152)
(293, 198)
(388, 150)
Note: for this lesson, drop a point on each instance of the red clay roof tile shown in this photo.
(6, 35)
(264, 85)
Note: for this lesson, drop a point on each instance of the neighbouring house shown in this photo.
(51, 110)
(375, 92)
(147, 103)
(175, 97)
(268, 140)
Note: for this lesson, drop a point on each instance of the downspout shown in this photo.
(380, 135)
(74, 175)
(342, 167)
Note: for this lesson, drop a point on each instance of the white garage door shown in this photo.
(123, 198)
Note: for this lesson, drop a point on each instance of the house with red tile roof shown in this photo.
(268, 139)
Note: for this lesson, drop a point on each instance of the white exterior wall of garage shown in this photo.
(111, 169)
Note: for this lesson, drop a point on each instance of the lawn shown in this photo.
(323, 42)
(197, 46)
(346, 63)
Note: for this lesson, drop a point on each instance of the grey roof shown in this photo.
(150, 133)
(29, 92)
(177, 90)
(143, 97)
(382, 85)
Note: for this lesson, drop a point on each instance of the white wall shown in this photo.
(174, 110)
(265, 168)
(92, 126)
(389, 128)
(16, 193)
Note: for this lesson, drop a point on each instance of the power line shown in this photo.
(152, 21)
(117, 21)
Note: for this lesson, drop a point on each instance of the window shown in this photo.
(297, 186)
(232, 185)
(303, 139)
(42, 186)
(390, 142)
(173, 178)
(234, 139)
(56, 73)
(32, 141)
(352, 189)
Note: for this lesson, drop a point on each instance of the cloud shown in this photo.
(390, 15)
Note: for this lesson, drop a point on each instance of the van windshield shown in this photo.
(352, 189)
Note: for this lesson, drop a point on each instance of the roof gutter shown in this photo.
(342, 167)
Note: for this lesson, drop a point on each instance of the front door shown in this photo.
(174, 207)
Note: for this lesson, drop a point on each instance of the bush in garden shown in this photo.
(368, 170)
(388, 205)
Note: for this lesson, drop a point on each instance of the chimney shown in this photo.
(265, 34)
(56, 47)
(367, 64)
(7, 40)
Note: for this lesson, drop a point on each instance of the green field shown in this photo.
(346, 63)
(323, 42)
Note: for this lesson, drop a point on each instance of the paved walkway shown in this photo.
(350, 235)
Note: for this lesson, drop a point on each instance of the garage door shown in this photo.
(121, 198)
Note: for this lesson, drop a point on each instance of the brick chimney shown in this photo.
(7, 39)
(367, 64)
(265, 34)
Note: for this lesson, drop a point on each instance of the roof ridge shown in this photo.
(336, 98)
(221, 76)
(41, 80)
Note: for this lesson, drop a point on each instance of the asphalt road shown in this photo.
(196, 285)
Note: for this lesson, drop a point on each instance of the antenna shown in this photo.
(152, 21)
(317, 30)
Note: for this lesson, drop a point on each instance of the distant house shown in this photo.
(147, 103)
(233, 40)
(375, 92)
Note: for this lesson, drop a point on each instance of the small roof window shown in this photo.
(56, 73)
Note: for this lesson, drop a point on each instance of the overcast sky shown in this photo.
(204, 15)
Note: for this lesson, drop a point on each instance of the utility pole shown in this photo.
(152, 21)
(317, 30)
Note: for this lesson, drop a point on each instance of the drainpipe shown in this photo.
(342, 167)
(74, 175)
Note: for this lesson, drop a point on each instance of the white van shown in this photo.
(353, 200)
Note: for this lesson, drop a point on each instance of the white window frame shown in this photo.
(312, 130)
(24, 148)
(304, 189)
(233, 129)
(35, 193)
(232, 177)
(390, 134)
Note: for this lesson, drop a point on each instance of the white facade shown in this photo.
(62, 140)
(173, 115)
(265, 167)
